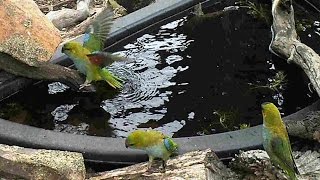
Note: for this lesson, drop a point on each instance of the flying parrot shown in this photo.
(156, 144)
(89, 58)
(276, 140)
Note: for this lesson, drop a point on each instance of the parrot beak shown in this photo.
(64, 49)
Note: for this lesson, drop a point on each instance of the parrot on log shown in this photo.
(155, 143)
(276, 140)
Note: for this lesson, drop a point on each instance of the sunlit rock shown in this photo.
(25, 33)
(27, 163)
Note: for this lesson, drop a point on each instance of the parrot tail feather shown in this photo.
(292, 175)
(111, 79)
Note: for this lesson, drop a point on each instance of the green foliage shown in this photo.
(276, 83)
(227, 118)
(303, 24)
(244, 126)
(258, 10)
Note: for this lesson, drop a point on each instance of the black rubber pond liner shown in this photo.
(112, 150)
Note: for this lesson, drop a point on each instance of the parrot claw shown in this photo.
(84, 85)
(164, 165)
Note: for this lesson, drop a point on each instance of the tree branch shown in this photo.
(42, 70)
(286, 44)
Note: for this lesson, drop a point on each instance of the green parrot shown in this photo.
(89, 58)
(156, 144)
(276, 140)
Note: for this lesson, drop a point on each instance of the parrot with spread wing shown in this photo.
(276, 140)
(89, 58)
(155, 143)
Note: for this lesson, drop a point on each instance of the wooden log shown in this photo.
(200, 165)
(255, 164)
(307, 127)
(81, 27)
(67, 17)
(42, 71)
(286, 44)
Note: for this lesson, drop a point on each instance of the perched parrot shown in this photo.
(156, 144)
(89, 58)
(276, 140)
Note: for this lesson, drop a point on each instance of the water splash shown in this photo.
(61, 112)
(146, 78)
(56, 87)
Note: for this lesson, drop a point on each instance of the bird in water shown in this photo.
(89, 58)
(276, 140)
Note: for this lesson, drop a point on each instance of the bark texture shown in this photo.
(200, 165)
(286, 44)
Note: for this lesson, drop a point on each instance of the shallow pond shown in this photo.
(183, 79)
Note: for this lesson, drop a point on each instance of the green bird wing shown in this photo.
(170, 145)
(282, 149)
(95, 37)
(98, 31)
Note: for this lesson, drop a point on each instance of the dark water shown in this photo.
(183, 79)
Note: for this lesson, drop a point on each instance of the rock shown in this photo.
(40, 164)
(200, 165)
(25, 33)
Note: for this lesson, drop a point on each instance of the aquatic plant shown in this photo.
(227, 118)
(244, 126)
(258, 10)
(276, 83)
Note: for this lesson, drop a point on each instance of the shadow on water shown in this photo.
(184, 81)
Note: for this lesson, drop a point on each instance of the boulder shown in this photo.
(28, 163)
(25, 32)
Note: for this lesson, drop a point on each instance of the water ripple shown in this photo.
(147, 79)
